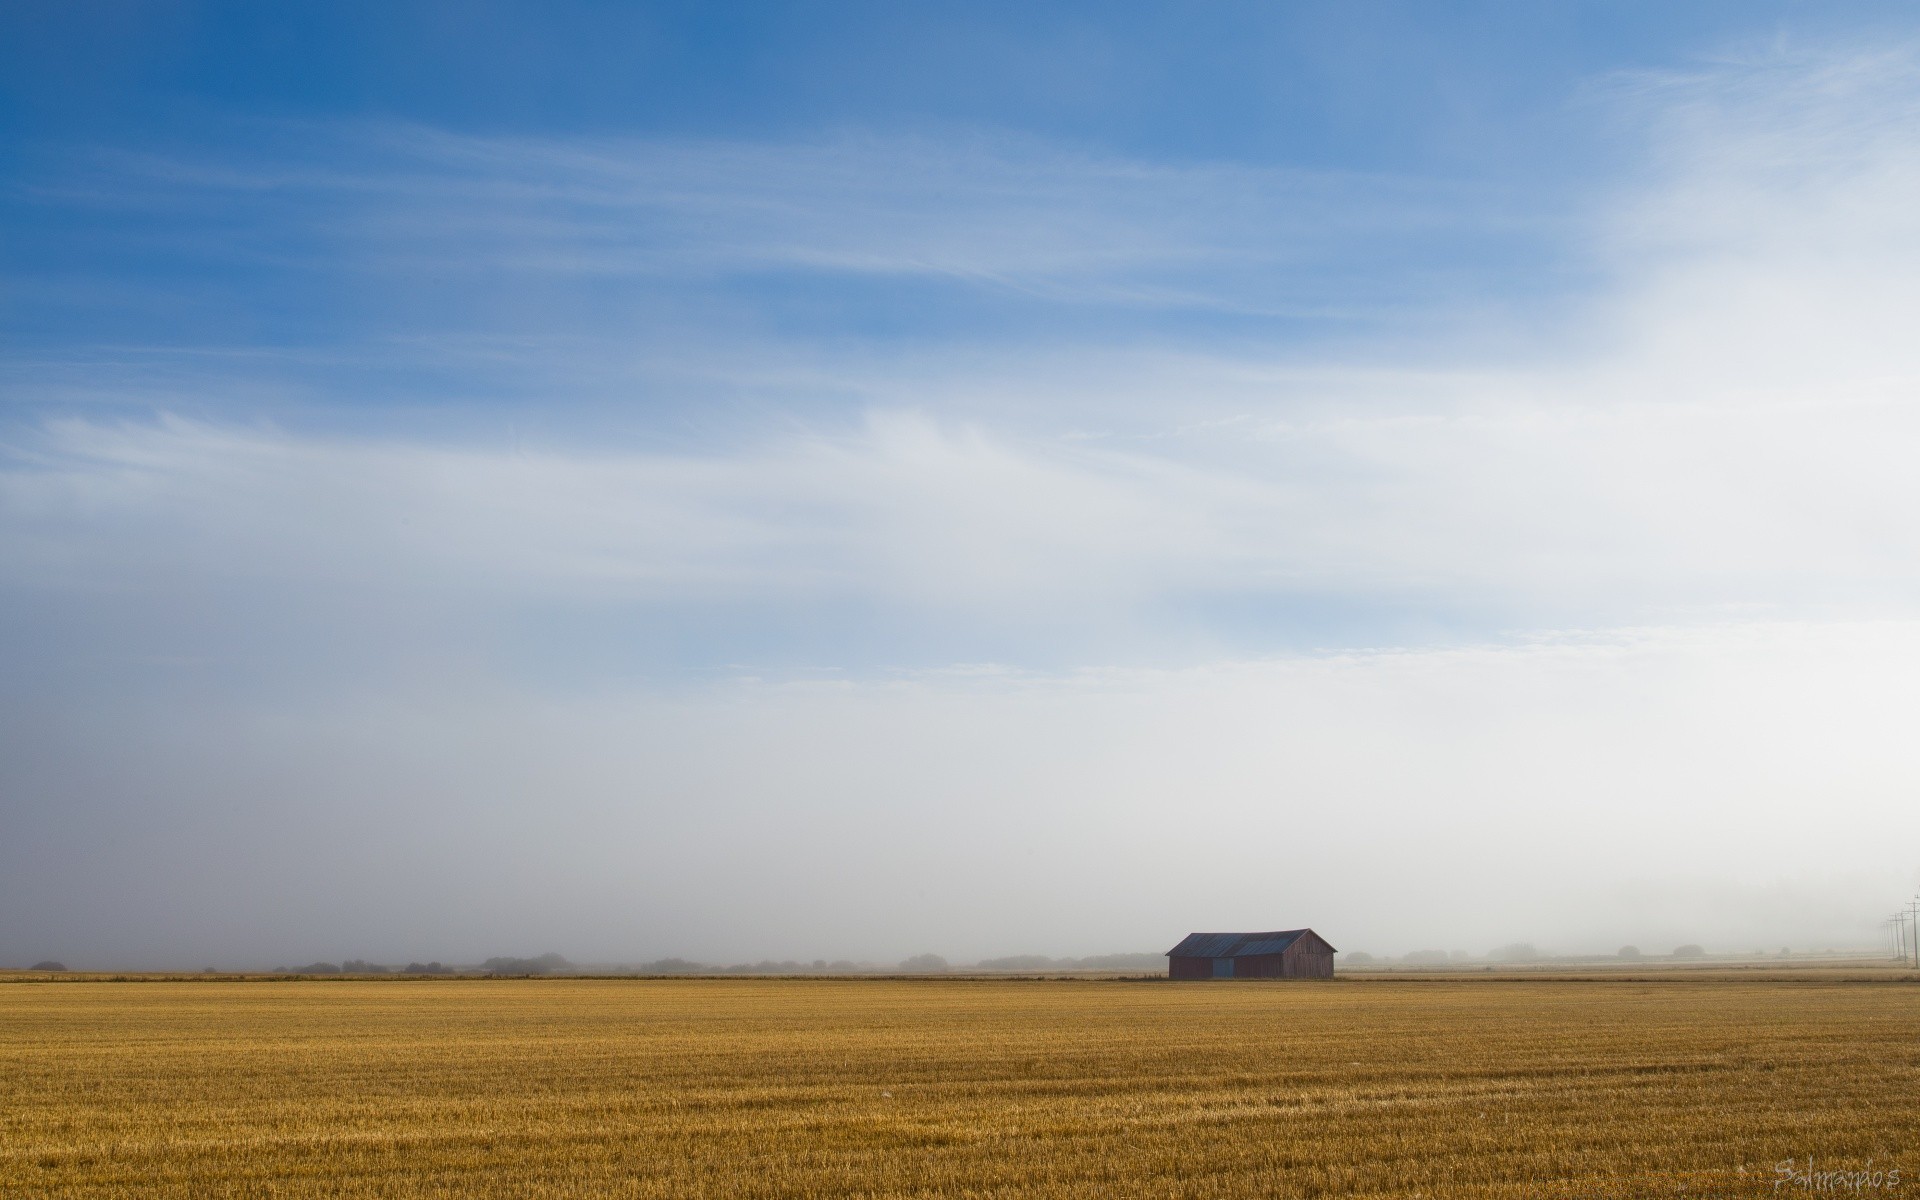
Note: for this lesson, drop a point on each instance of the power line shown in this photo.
(1904, 921)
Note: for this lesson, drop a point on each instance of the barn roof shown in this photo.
(1233, 945)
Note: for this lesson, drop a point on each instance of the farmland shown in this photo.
(953, 1087)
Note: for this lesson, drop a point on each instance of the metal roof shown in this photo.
(1233, 945)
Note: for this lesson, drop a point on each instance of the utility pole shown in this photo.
(1913, 926)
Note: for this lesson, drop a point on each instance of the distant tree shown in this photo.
(671, 966)
(1426, 958)
(319, 968)
(48, 965)
(1121, 962)
(767, 966)
(1690, 950)
(844, 966)
(1461, 956)
(924, 964)
(1016, 962)
(355, 966)
(1628, 952)
(525, 966)
(1357, 958)
(430, 968)
(1516, 952)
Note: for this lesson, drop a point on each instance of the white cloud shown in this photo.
(1771, 255)
(902, 508)
(1510, 512)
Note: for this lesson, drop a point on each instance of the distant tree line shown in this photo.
(1093, 962)
(919, 964)
(542, 965)
(359, 966)
(766, 966)
(1513, 952)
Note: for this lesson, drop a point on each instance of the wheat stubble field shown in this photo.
(950, 1087)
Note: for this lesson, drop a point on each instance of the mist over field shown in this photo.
(1577, 794)
(910, 526)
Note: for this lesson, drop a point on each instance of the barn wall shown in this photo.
(1307, 962)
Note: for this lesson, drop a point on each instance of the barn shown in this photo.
(1283, 954)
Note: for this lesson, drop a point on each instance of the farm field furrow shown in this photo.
(800, 1088)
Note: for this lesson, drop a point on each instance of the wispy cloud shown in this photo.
(982, 211)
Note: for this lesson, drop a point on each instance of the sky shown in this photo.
(860, 480)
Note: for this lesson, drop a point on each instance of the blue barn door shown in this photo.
(1223, 968)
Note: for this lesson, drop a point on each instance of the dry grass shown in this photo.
(951, 1088)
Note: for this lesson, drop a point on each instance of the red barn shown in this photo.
(1285, 954)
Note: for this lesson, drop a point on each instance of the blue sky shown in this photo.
(430, 431)
(1471, 137)
(1374, 85)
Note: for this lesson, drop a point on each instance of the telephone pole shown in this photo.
(1913, 927)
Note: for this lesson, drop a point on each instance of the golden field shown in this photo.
(954, 1087)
